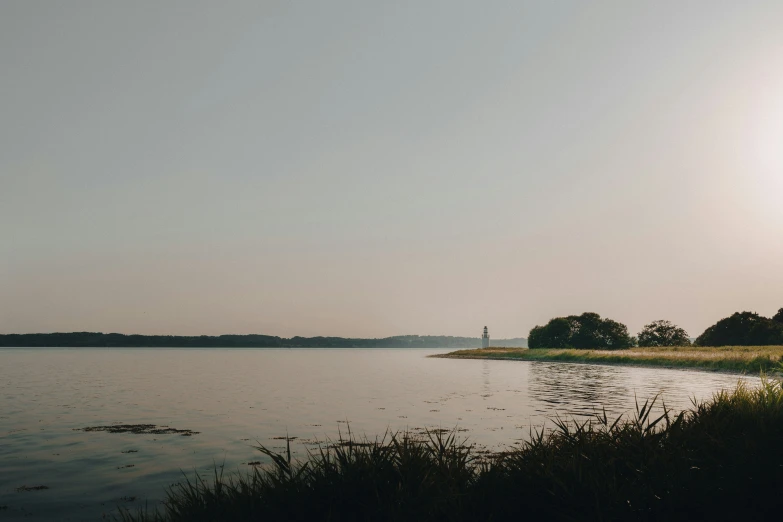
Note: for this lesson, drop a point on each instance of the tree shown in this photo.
(663, 333)
(743, 329)
(556, 334)
(778, 317)
(581, 331)
(614, 335)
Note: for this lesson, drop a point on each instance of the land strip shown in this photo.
(116, 340)
(735, 359)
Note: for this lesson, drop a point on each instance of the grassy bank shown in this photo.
(722, 460)
(750, 359)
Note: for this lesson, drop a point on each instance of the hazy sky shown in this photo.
(377, 168)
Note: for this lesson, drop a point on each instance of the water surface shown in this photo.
(236, 397)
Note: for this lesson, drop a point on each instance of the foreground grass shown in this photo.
(722, 460)
(742, 359)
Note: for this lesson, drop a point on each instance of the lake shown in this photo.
(236, 398)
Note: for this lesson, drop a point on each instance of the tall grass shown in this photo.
(740, 359)
(720, 460)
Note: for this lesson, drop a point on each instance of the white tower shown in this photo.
(485, 338)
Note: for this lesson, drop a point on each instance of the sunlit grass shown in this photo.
(750, 359)
(720, 460)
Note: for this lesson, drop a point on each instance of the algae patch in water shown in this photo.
(31, 488)
(140, 429)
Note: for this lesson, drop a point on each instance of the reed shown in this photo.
(720, 460)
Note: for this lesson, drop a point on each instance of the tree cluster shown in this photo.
(744, 329)
(589, 330)
(584, 331)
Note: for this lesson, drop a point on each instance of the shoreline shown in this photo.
(676, 466)
(597, 363)
(729, 360)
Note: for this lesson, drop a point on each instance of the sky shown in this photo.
(367, 169)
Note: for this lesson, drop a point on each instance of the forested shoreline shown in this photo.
(590, 331)
(117, 340)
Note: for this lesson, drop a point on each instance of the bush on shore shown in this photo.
(722, 460)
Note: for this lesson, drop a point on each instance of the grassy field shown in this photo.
(749, 359)
(721, 460)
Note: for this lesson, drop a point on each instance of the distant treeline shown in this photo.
(102, 340)
(516, 342)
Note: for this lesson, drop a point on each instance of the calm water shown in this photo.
(237, 397)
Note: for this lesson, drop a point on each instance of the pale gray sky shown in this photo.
(377, 168)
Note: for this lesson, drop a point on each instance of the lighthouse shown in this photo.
(485, 338)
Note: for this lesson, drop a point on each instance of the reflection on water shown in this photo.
(485, 366)
(578, 389)
(229, 399)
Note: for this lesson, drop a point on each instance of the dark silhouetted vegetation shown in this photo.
(102, 340)
(663, 333)
(584, 331)
(744, 329)
(722, 460)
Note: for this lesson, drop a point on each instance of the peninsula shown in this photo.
(738, 359)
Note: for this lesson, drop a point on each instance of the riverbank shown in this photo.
(721, 460)
(735, 359)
